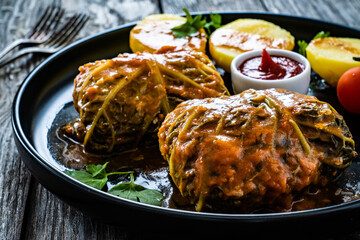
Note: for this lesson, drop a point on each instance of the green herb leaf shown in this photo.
(191, 26)
(183, 31)
(356, 59)
(96, 176)
(322, 34)
(198, 23)
(88, 178)
(137, 192)
(302, 47)
(215, 22)
(97, 171)
(194, 25)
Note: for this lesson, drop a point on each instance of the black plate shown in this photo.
(49, 87)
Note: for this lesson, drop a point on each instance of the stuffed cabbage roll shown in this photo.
(253, 149)
(120, 99)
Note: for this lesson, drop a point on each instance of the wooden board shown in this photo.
(27, 209)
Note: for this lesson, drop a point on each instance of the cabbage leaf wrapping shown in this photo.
(253, 149)
(121, 99)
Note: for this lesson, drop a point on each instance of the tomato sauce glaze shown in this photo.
(269, 67)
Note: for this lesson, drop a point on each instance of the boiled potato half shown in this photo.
(154, 32)
(330, 57)
(244, 35)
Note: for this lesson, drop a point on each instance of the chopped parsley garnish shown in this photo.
(303, 45)
(215, 23)
(194, 25)
(96, 176)
(136, 192)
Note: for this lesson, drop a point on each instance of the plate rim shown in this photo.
(20, 136)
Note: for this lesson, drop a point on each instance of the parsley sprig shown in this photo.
(303, 45)
(136, 192)
(96, 176)
(215, 23)
(194, 25)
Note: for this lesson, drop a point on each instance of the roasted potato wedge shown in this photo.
(330, 57)
(244, 35)
(154, 32)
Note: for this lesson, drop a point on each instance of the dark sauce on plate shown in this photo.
(151, 171)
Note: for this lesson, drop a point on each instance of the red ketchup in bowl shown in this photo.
(269, 67)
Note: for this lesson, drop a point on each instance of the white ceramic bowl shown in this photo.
(298, 83)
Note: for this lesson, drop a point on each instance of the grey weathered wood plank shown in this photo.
(174, 7)
(46, 216)
(14, 176)
(51, 218)
(340, 12)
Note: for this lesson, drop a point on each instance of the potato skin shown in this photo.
(330, 57)
(154, 32)
(245, 35)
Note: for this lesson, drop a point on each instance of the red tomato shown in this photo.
(348, 90)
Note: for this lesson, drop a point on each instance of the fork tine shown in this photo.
(50, 17)
(69, 30)
(40, 21)
(60, 33)
(42, 30)
(75, 29)
(55, 20)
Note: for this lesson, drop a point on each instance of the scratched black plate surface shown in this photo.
(47, 91)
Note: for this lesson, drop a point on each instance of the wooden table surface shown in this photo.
(27, 209)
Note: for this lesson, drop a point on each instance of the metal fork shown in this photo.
(42, 31)
(57, 41)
